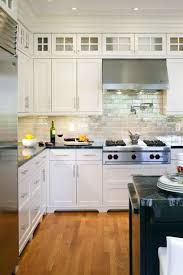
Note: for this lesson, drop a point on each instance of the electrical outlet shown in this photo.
(178, 127)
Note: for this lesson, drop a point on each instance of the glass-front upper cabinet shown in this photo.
(88, 44)
(63, 44)
(42, 44)
(10, 6)
(175, 44)
(118, 44)
(150, 44)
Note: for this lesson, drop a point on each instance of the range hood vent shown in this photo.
(135, 74)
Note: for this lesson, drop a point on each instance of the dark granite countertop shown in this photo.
(95, 145)
(176, 146)
(149, 194)
(25, 154)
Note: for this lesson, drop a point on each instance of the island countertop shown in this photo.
(148, 194)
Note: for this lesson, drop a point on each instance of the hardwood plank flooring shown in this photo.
(78, 244)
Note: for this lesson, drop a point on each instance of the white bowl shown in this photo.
(29, 142)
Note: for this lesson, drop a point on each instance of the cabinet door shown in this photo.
(89, 85)
(174, 95)
(25, 86)
(62, 183)
(25, 40)
(175, 44)
(64, 44)
(42, 85)
(42, 44)
(118, 44)
(88, 44)
(150, 44)
(63, 85)
(89, 183)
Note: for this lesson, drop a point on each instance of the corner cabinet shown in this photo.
(42, 85)
(118, 44)
(89, 44)
(75, 179)
(150, 44)
(25, 40)
(174, 95)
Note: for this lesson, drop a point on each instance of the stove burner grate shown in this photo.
(115, 143)
(154, 143)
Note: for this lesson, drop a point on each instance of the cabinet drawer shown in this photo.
(24, 172)
(24, 192)
(24, 221)
(89, 154)
(62, 154)
(35, 206)
(175, 151)
(35, 183)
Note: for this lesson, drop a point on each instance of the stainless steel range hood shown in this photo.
(135, 74)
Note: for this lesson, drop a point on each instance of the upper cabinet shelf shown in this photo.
(175, 44)
(112, 45)
(118, 44)
(150, 44)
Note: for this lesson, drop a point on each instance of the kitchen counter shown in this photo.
(149, 195)
(25, 154)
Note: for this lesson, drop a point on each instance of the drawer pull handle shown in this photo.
(36, 209)
(24, 195)
(24, 227)
(89, 155)
(24, 172)
(58, 155)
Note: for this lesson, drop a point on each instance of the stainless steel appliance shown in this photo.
(135, 74)
(8, 146)
(147, 152)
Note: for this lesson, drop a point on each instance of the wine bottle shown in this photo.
(52, 133)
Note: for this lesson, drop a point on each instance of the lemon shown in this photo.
(29, 136)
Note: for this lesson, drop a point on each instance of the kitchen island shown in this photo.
(153, 215)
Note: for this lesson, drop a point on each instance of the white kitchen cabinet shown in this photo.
(75, 184)
(117, 177)
(25, 40)
(64, 44)
(175, 44)
(10, 6)
(42, 85)
(118, 44)
(150, 44)
(42, 44)
(62, 183)
(63, 85)
(89, 187)
(174, 95)
(89, 44)
(173, 166)
(25, 83)
(32, 179)
(89, 85)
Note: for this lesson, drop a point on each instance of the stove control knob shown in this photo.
(109, 156)
(115, 156)
(134, 157)
(151, 156)
(157, 156)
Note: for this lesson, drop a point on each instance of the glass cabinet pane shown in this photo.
(84, 40)
(60, 40)
(93, 47)
(68, 48)
(176, 44)
(173, 39)
(68, 40)
(94, 40)
(144, 40)
(85, 47)
(124, 40)
(40, 40)
(59, 48)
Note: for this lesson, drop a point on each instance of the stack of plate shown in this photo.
(172, 183)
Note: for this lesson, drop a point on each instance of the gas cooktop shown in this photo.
(154, 143)
(115, 143)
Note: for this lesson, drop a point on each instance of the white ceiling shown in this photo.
(106, 7)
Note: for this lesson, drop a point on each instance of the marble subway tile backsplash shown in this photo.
(140, 112)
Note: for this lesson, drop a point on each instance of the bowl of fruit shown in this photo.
(29, 141)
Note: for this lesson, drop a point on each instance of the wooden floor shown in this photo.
(78, 244)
